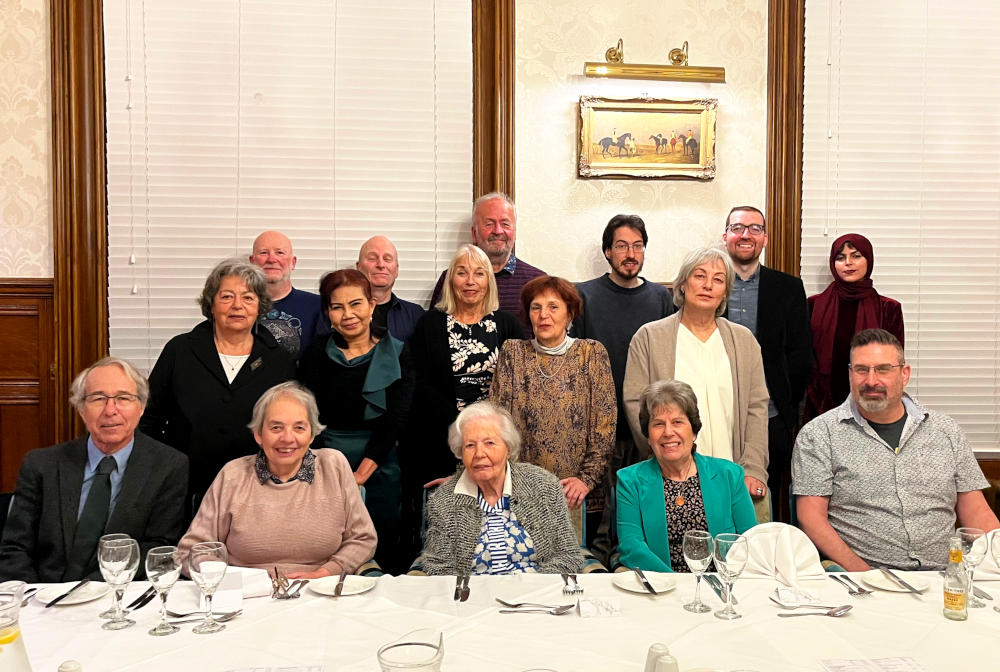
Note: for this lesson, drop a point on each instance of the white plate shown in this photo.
(876, 579)
(88, 593)
(353, 585)
(661, 582)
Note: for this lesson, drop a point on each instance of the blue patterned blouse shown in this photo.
(504, 546)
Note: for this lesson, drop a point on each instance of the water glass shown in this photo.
(163, 567)
(974, 544)
(731, 554)
(110, 611)
(208, 566)
(118, 560)
(698, 547)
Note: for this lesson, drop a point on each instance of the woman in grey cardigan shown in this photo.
(720, 360)
(496, 515)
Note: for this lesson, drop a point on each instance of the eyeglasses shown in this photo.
(123, 400)
(622, 246)
(738, 229)
(861, 370)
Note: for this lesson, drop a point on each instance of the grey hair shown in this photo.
(477, 259)
(664, 393)
(492, 196)
(288, 390)
(696, 258)
(252, 276)
(78, 388)
(485, 410)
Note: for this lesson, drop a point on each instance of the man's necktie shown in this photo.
(90, 527)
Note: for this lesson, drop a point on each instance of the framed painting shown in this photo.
(647, 138)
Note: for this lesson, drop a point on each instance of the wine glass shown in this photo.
(208, 566)
(119, 560)
(731, 553)
(110, 611)
(698, 546)
(994, 538)
(973, 552)
(163, 566)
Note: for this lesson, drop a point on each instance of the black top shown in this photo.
(338, 395)
(435, 398)
(193, 406)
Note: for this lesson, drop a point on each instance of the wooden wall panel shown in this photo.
(27, 399)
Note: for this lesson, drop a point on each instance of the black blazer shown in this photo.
(39, 532)
(427, 455)
(785, 340)
(194, 408)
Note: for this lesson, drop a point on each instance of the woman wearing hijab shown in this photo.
(848, 305)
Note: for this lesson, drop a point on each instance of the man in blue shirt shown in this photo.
(115, 479)
(379, 262)
(294, 317)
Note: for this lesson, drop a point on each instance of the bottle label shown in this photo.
(954, 601)
(955, 555)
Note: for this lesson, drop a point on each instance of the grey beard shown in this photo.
(873, 405)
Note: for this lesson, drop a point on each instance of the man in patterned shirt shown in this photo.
(880, 480)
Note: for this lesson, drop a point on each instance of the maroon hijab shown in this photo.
(827, 304)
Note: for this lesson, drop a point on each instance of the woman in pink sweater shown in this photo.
(287, 506)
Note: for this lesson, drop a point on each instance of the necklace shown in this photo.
(233, 362)
(679, 500)
(555, 367)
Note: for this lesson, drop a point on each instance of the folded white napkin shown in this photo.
(987, 569)
(782, 552)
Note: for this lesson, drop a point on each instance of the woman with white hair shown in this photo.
(288, 506)
(720, 360)
(497, 515)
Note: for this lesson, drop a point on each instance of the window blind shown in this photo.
(331, 121)
(902, 144)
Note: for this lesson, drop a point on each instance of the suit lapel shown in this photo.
(137, 472)
(709, 489)
(203, 347)
(764, 319)
(654, 512)
(71, 466)
(254, 363)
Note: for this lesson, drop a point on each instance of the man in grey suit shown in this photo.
(115, 479)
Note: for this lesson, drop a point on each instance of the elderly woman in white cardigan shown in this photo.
(720, 360)
(497, 515)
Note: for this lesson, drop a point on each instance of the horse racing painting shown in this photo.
(647, 138)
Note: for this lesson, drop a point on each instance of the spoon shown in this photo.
(806, 605)
(835, 612)
(997, 609)
(520, 605)
(221, 618)
(557, 611)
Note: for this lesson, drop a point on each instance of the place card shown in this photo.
(906, 664)
(593, 607)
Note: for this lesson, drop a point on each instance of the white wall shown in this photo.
(561, 216)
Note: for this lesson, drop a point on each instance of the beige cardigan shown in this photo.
(651, 358)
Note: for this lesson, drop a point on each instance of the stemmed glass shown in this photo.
(731, 553)
(208, 566)
(163, 567)
(698, 546)
(994, 538)
(110, 611)
(973, 552)
(119, 560)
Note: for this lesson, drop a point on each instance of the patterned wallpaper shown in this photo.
(561, 216)
(25, 154)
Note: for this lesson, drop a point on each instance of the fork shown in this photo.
(552, 611)
(219, 618)
(572, 587)
(854, 590)
(520, 605)
(292, 591)
(862, 591)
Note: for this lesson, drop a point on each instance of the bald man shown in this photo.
(380, 264)
(294, 316)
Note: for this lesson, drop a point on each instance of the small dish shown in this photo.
(353, 585)
(662, 583)
(88, 593)
(876, 579)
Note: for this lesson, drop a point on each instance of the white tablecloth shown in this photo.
(344, 633)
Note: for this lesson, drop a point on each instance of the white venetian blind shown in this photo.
(902, 144)
(329, 120)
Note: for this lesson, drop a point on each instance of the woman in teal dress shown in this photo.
(676, 489)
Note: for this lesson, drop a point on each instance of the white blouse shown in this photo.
(705, 367)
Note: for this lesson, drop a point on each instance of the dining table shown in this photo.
(612, 628)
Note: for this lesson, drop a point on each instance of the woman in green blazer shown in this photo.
(677, 489)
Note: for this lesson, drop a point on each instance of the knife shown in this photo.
(340, 585)
(142, 599)
(458, 588)
(718, 587)
(67, 593)
(465, 588)
(900, 582)
(977, 591)
(644, 581)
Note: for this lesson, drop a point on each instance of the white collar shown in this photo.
(466, 486)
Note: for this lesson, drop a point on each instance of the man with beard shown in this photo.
(494, 231)
(294, 316)
(880, 480)
(772, 305)
(615, 305)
